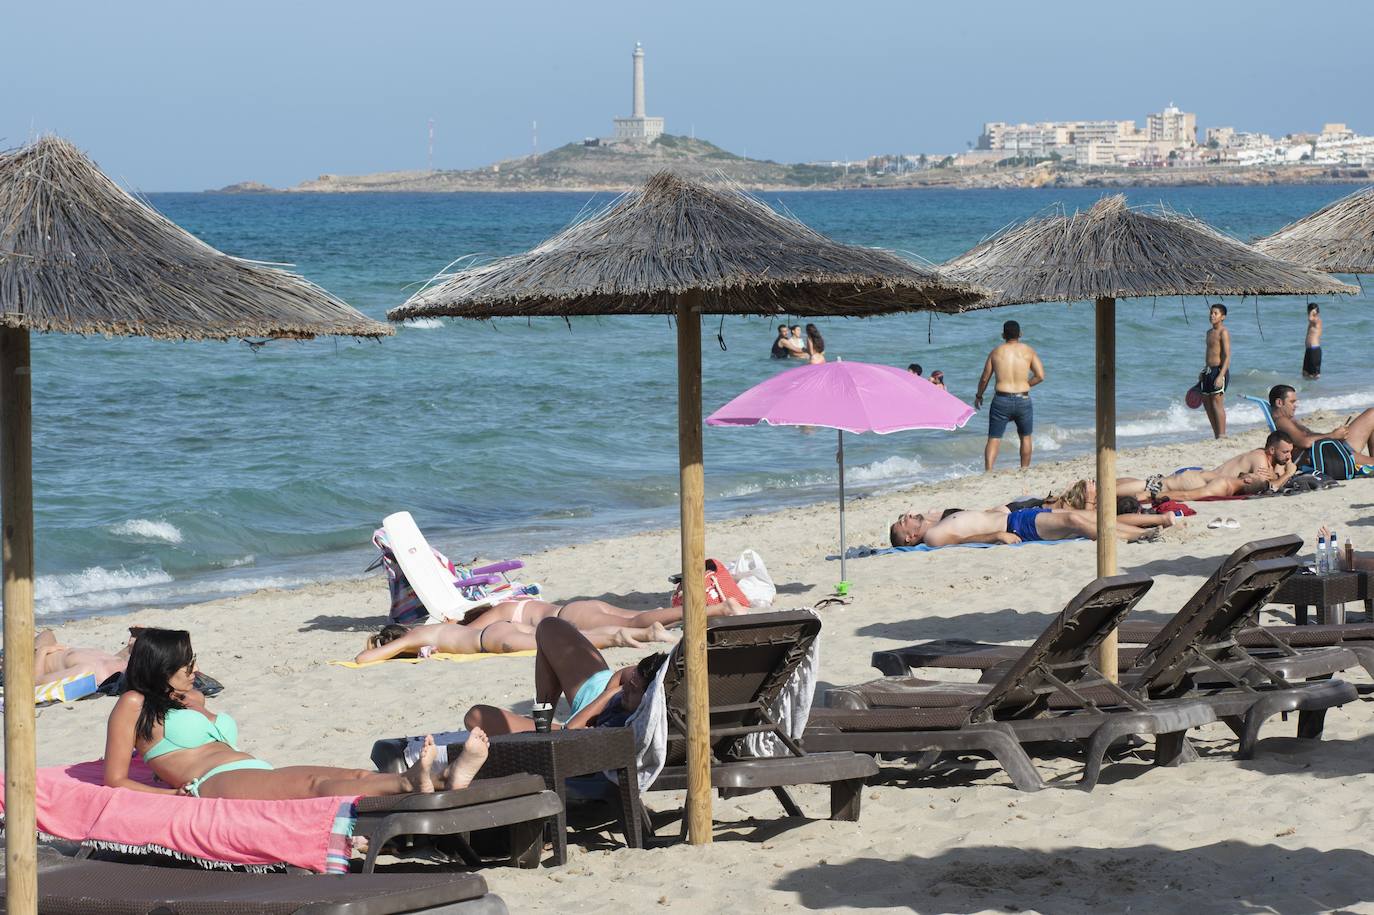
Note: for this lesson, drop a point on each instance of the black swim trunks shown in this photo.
(1211, 383)
(1312, 362)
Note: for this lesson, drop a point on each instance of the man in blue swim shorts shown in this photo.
(1026, 525)
(1018, 369)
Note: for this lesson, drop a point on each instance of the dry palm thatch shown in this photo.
(78, 254)
(646, 249)
(1113, 251)
(1338, 238)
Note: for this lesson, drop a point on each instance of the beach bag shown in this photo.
(753, 579)
(1329, 459)
(720, 584)
(406, 606)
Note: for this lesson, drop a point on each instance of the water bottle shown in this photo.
(1321, 554)
(1333, 555)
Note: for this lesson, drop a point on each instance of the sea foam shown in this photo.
(148, 530)
(424, 323)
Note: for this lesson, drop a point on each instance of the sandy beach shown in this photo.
(1283, 832)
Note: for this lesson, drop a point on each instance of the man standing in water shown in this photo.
(1217, 372)
(1312, 356)
(1018, 369)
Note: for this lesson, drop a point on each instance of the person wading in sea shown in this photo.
(1312, 355)
(1018, 369)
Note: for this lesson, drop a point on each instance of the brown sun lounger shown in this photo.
(518, 802)
(68, 886)
(1296, 660)
(963, 654)
(911, 716)
(1196, 655)
(749, 660)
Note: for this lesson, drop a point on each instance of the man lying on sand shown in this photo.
(1249, 472)
(1022, 526)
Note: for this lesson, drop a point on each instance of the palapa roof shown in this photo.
(1338, 238)
(79, 254)
(1114, 251)
(641, 253)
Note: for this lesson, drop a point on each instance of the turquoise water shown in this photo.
(167, 473)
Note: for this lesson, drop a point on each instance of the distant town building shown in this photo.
(1172, 128)
(1108, 142)
(638, 128)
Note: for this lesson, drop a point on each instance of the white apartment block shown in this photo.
(1109, 142)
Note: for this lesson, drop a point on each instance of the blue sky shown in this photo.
(187, 96)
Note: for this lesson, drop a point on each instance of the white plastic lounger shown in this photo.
(432, 582)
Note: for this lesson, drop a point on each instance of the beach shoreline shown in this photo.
(926, 838)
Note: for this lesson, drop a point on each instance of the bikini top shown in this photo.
(185, 728)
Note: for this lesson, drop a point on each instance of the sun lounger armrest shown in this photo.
(497, 568)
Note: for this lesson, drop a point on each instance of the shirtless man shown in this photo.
(1025, 525)
(1272, 464)
(1356, 431)
(1018, 369)
(1312, 355)
(53, 661)
(1216, 374)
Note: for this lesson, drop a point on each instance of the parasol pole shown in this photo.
(16, 506)
(1106, 463)
(693, 566)
(839, 456)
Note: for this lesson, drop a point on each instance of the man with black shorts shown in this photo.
(1018, 369)
(1216, 372)
(1312, 355)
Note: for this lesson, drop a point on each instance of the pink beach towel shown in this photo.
(73, 804)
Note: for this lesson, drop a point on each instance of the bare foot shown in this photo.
(419, 775)
(660, 633)
(462, 770)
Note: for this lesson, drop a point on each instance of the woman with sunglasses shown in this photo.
(163, 717)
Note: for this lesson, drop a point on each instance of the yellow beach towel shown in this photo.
(439, 656)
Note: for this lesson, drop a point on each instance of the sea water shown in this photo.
(166, 473)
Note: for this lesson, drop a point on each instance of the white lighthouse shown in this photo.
(638, 128)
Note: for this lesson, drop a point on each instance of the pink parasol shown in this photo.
(850, 397)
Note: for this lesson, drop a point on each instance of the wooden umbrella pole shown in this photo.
(1106, 462)
(16, 505)
(693, 567)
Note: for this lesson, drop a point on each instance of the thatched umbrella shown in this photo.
(80, 255)
(1112, 252)
(679, 248)
(1338, 238)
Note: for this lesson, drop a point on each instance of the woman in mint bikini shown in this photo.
(164, 718)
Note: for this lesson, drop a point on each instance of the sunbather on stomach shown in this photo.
(568, 665)
(498, 637)
(164, 718)
(588, 615)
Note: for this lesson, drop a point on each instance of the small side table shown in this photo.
(560, 755)
(1323, 591)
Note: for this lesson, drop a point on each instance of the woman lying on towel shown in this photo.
(568, 665)
(587, 615)
(164, 718)
(499, 637)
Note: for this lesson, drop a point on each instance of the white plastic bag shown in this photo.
(753, 579)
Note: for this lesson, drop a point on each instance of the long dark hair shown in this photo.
(813, 334)
(157, 655)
